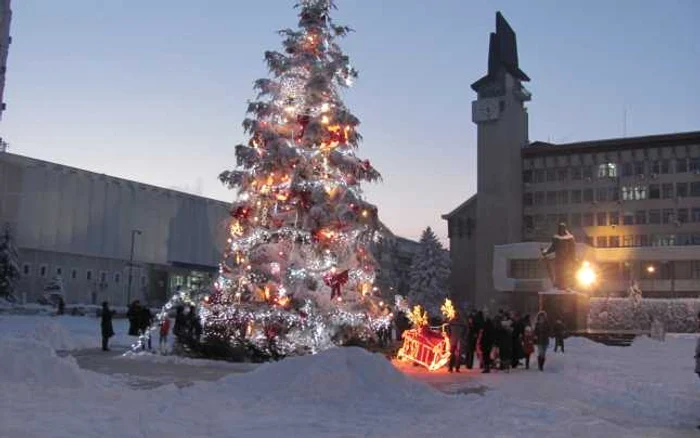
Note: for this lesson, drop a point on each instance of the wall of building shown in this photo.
(461, 230)
(69, 219)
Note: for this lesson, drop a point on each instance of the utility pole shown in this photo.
(131, 264)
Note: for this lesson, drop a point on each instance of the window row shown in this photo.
(635, 192)
(43, 272)
(603, 218)
(630, 240)
(612, 170)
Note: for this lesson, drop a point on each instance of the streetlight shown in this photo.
(586, 276)
(131, 264)
(650, 270)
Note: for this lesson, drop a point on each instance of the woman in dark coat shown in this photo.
(486, 343)
(106, 325)
(134, 315)
(542, 334)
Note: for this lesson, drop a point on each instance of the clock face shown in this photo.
(485, 110)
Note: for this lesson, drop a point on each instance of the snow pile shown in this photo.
(53, 335)
(345, 375)
(677, 315)
(35, 363)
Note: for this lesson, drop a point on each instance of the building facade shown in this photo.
(5, 41)
(79, 226)
(626, 199)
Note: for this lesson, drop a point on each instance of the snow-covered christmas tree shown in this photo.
(9, 264)
(430, 272)
(298, 275)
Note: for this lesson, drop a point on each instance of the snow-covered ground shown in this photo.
(646, 390)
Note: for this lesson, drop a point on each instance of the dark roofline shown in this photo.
(461, 207)
(541, 148)
(43, 163)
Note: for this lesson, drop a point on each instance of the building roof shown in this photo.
(462, 206)
(503, 54)
(540, 148)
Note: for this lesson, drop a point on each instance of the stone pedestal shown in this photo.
(570, 307)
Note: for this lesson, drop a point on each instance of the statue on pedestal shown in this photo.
(564, 248)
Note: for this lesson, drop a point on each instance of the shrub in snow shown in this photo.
(429, 274)
(9, 264)
(677, 315)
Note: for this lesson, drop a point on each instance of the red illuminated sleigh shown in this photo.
(425, 347)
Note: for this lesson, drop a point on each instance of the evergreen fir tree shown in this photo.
(298, 263)
(430, 271)
(9, 264)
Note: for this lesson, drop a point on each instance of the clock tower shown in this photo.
(502, 131)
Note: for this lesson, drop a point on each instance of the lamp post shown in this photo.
(131, 264)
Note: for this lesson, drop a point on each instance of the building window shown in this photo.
(641, 240)
(681, 165)
(576, 173)
(563, 218)
(527, 176)
(694, 165)
(551, 198)
(564, 197)
(607, 170)
(42, 270)
(639, 168)
(539, 222)
(538, 176)
(682, 215)
(602, 219)
(667, 191)
(575, 219)
(640, 217)
(143, 280)
(601, 242)
(684, 239)
(682, 190)
(695, 188)
(601, 194)
(552, 221)
(527, 199)
(588, 219)
(634, 193)
(587, 195)
(525, 269)
(627, 169)
(628, 219)
(539, 198)
(654, 216)
(117, 277)
(656, 167)
(551, 174)
(667, 215)
(695, 215)
(665, 166)
(59, 271)
(74, 274)
(26, 269)
(613, 194)
(695, 269)
(614, 241)
(614, 218)
(654, 191)
(562, 174)
(576, 196)
(628, 240)
(588, 172)
(103, 277)
(528, 223)
(88, 275)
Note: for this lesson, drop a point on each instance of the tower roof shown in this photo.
(503, 54)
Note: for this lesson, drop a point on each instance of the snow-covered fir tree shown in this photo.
(9, 264)
(430, 271)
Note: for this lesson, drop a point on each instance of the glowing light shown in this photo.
(325, 107)
(586, 276)
(651, 269)
(325, 120)
(448, 310)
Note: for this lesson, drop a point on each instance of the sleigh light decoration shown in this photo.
(422, 345)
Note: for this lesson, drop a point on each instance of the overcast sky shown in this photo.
(156, 90)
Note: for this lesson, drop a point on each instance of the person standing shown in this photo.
(528, 345)
(559, 333)
(134, 316)
(486, 343)
(542, 332)
(697, 354)
(164, 330)
(106, 325)
(472, 335)
(456, 332)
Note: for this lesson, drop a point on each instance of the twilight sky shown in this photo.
(156, 90)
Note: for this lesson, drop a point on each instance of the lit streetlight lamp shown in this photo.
(586, 276)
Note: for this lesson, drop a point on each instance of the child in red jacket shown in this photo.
(164, 330)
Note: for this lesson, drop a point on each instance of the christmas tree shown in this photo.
(298, 274)
(9, 265)
(430, 271)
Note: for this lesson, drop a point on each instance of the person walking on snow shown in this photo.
(106, 325)
(542, 332)
(456, 332)
(559, 333)
(528, 345)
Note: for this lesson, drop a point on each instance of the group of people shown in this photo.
(187, 328)
(502, 341)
